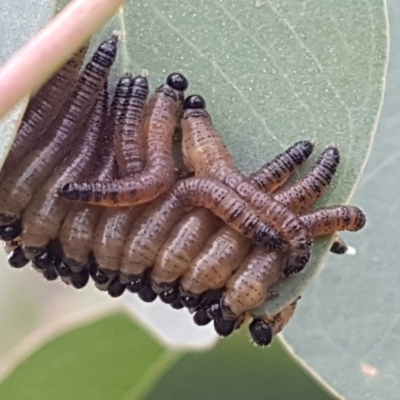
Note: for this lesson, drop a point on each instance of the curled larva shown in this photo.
(248, 286)
(158, 175)
(43, 109)
(224, 251)
(205, 153)
(19, 185)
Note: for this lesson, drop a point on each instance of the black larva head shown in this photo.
(141, 81)
(11, 231)
(194, 102)
(17, 258)
(224, 328)
(116, 288)
(177, 81)
(260, 332)
(80, 279)
(201, 317)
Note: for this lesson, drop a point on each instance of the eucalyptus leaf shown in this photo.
(347, 325)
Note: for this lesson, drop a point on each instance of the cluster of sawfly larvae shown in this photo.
(94, 191)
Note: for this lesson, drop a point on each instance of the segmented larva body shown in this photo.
(225, 248)
(18, 187)
(114, 223)
(158, 175)
(43, 109)
(42, 219)
(204, 151)
(129, 141)
(77, 232)
(248, 287)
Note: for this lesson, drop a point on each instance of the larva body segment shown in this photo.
(307, 190)
(226, 248)
(216, 261)
(78, 230)
(213, 266)
(274, 174)
(153, 226)
(184, 242)
(18, 187)
(43, 108)
(263, 330)
(129, 146)
(42, 219)
(148, 234)
(110, 234)
(159, 174)
(204, 151)
(248, 287)
(330, 219)
(115, 223)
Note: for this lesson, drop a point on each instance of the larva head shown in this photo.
(261, 332)
(177, 81)
(11, 231)
(17, 258)
(80, 279)
(174, 86)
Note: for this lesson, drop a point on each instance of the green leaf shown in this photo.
(347, 324)
(236, 370)
(112, 358)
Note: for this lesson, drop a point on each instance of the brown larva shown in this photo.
(225, 249)
(43, 109)
(42, 219)
(19, 185)
(205, 153)
(77, 232)
(158, 175)
(164, 272)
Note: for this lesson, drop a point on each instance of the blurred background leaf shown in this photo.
(272, 72)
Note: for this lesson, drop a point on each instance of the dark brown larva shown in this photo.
(205, 153)
(19, 185)
(77, 232)
(43, 109)
(158, 175)
(42, 219)
(129, 141)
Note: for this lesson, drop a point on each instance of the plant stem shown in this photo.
(37, 60)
